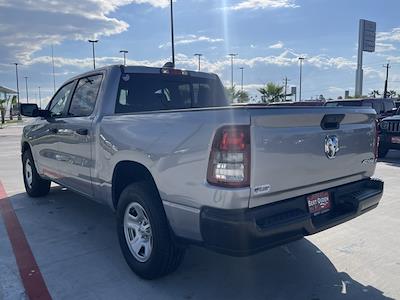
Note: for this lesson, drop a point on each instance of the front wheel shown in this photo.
(146, 240)
(35, 186)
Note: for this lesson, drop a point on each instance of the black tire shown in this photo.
(382, 152)
(165, 256)
(38, 187)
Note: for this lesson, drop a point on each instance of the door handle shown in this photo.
(53, 130)
(82, 131)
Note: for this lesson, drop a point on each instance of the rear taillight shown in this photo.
(229, 163)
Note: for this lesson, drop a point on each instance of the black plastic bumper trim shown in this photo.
(248, 231)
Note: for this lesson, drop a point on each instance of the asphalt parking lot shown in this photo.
(74, 244)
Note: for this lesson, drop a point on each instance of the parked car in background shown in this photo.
(165, 149)
(384, 107)
(389, 137)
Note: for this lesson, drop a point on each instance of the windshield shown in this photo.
(152, 92)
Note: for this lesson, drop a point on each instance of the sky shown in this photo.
(267, 35)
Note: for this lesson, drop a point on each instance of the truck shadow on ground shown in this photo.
(392, 158)
(75, 245)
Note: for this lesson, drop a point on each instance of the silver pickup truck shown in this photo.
(179, 165)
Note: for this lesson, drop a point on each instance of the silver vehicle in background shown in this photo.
(179, 165)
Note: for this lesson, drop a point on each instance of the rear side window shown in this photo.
(151, 92)
(85, 95)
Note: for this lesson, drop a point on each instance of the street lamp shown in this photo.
(40, 99)
(301, 59)
(16, 75)
(172, 34)
(124, 52)
(232, 55)
(26, 88)
(94, 57)
(242, 69)
(199, 55)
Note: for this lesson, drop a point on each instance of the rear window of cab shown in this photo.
(141, 92)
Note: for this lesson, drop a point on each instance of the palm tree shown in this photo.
(237, 96)
(374, 93)
(271, 92)
(392, 94)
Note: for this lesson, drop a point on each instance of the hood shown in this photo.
(392, 118)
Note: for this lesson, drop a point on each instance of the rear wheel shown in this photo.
(35, 186)
(382, 152)
(146, 240)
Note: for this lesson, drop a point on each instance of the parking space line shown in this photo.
(32, 278)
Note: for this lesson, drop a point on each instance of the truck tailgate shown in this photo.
(288, 156)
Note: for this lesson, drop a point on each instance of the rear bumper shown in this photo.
(245, 232)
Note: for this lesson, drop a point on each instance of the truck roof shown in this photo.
(143, 69)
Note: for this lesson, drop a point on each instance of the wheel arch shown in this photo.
(25, 146)
(127, 172)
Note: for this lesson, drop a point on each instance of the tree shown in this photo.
(374, 93)
(3, 103)
(271, 92)
(237, 96)
(391, 94)
(243, 97)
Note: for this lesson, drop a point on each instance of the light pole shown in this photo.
(26, 88)
(242, 69)
(124, 52)
(94, 56)
(172, 34)
(301, 59)
(40, 99)
(16, 75)
(285, 80)
(199, 55)
(54, 74)
(232, 55)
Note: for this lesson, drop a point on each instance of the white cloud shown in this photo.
(286, 59)
(383, 47)
(389, 36)
(190, 39)
(263, 4)
(39, 23)
(87, 63)
(336, 90)
(278, 45)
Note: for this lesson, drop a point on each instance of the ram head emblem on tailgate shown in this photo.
(331, 146)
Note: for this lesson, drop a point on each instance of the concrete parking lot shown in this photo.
(74, 243)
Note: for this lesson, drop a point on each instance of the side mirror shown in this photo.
(29, 110)
(32, 110)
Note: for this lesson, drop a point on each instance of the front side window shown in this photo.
(152, 92)
(85, 95)
(59, 101)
